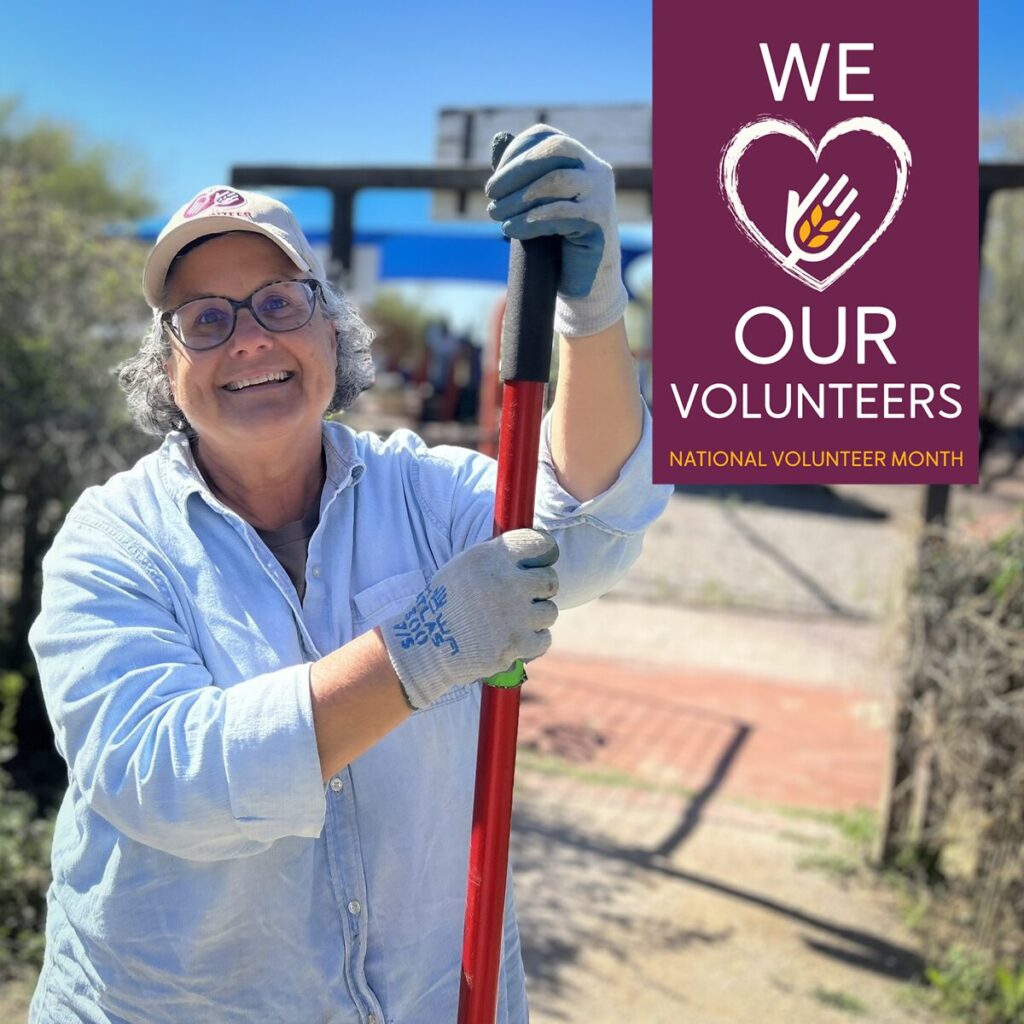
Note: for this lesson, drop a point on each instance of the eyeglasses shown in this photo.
(278, 307)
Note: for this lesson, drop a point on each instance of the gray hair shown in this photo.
(154, 411)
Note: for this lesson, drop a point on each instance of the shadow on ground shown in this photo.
(591, 895)
(812, 589)
(591, 910)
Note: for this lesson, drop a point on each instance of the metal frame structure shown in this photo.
(344, 183)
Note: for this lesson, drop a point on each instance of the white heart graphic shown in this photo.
(729, 181)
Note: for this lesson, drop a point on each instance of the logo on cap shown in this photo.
(213, 197)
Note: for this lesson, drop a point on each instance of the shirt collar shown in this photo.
(182, 477)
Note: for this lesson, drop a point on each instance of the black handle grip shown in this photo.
(534, 267)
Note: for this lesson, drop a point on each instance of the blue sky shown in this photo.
(191, 87)
(1001, 57)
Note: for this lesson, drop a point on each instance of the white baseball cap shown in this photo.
(219, 209)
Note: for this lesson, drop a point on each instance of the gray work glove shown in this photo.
(547, 183)
(488, 606)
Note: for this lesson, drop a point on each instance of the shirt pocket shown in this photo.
(370, 607)
(389, 597)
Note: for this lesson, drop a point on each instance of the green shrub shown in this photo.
(25, 840)
(966, 687)
(972, 989)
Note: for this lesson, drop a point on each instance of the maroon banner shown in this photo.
(816, 170)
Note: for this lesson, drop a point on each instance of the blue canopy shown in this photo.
(411, 246)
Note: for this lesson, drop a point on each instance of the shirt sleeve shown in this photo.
(598, 539)
(156, 747)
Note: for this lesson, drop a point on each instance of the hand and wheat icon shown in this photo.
(814, 234)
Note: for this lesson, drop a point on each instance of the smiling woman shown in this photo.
(255, 394)
(258, 646)
(148, 389)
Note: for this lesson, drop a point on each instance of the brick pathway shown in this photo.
(709, 731)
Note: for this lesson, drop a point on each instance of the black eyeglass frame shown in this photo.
(167, 318)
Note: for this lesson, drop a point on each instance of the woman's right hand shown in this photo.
(488, 606)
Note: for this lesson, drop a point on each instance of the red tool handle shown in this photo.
(534, 268)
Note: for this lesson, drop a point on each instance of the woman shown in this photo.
(254, 646)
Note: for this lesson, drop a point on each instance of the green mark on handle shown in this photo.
(509, 680)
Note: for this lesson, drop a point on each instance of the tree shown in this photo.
(399, 324)
(70, 309)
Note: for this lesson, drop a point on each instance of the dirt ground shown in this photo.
(633, 909)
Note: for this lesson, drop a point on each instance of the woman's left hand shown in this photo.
(547, 183)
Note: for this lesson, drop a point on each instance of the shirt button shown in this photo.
(316, 572)
(354, 906)
(337, 785)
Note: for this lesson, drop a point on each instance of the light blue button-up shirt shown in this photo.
(202, 870)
